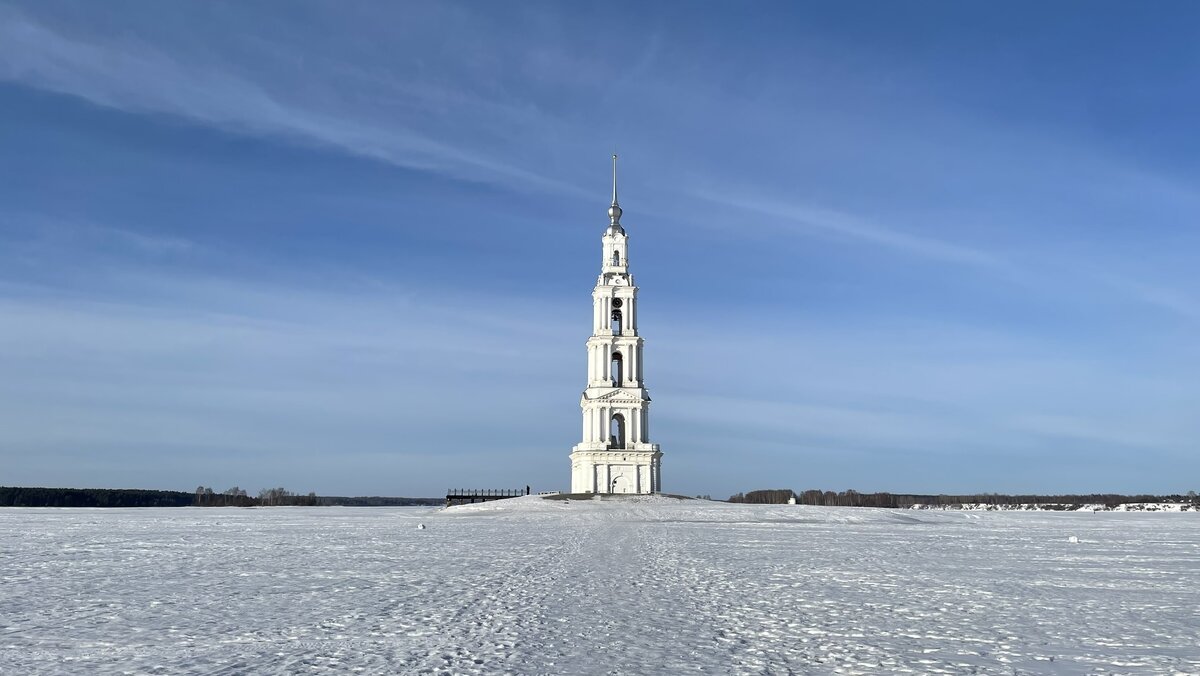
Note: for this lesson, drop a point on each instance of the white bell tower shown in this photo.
(616, 455)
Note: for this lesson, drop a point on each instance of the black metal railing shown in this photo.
(465, 496)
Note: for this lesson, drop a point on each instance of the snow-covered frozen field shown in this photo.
(631, 587)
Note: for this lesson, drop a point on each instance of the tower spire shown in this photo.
(614, 179)
(614, 211)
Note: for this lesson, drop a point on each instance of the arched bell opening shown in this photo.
(616, 259)
(616, 431)
(616, 322)
(616, 369)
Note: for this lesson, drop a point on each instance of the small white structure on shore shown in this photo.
(616, 455)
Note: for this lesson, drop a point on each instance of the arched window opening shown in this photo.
(616, 369)
(616, 257)
(616, 431)
(616, 322)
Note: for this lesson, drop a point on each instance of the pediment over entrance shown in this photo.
(621, 395)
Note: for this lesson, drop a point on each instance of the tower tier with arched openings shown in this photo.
(616, 455)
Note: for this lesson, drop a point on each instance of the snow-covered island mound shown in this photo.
(637, 585)
(664, 508)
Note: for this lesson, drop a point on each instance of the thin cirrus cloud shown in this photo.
(135, 76)
(1049, 270)
(837, 223)
(138, 77)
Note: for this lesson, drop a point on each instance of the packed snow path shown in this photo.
(648, 585)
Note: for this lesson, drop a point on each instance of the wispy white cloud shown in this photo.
(1050, 271)
(38, 231)
(861, 426)
(1131, 430)
(138, 77)
(1171, 299)
(841, 224)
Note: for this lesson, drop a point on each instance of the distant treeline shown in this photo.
(267, 497)
(13, 496)
(17, 496)
(852, 498)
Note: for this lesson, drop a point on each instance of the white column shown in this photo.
(639, 371)
(627, 372)
(635, 364)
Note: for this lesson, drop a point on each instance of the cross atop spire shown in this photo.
(614, 211)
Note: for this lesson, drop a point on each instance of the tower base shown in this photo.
(616, 471)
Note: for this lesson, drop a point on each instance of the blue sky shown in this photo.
(349, 247)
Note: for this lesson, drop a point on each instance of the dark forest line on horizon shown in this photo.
(24, 496)
(853, 498)
(31, 496)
